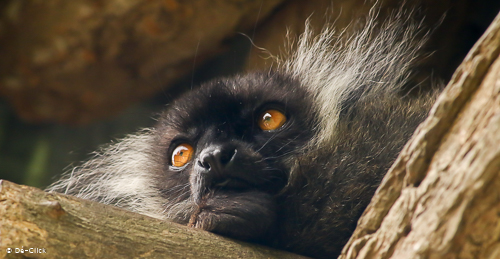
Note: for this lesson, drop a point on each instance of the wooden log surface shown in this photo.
(441, 198)
(62, 226)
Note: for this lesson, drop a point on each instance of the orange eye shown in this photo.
(271, 120)
(182, 154)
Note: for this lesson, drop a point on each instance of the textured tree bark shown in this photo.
(441, 198)
(61, 226)
(76, 61)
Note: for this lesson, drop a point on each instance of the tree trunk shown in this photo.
(441, 198)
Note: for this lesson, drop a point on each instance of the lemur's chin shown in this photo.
(243, 215)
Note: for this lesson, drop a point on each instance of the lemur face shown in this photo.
(227, 149)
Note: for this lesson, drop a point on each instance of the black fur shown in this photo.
(315, 212)
(224, 113)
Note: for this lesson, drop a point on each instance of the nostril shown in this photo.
(205, 164)
(216, 158)
(227, 156)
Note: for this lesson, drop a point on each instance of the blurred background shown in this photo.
(75, 75)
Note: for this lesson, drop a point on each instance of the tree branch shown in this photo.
(68, 227)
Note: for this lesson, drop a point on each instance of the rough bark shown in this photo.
(68, 227)
(76, 61)
(441, 198)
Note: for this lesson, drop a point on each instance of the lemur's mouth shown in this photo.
(244, 215)
(232, 190)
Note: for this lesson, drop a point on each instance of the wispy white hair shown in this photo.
(119, 174)
(375, 60)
